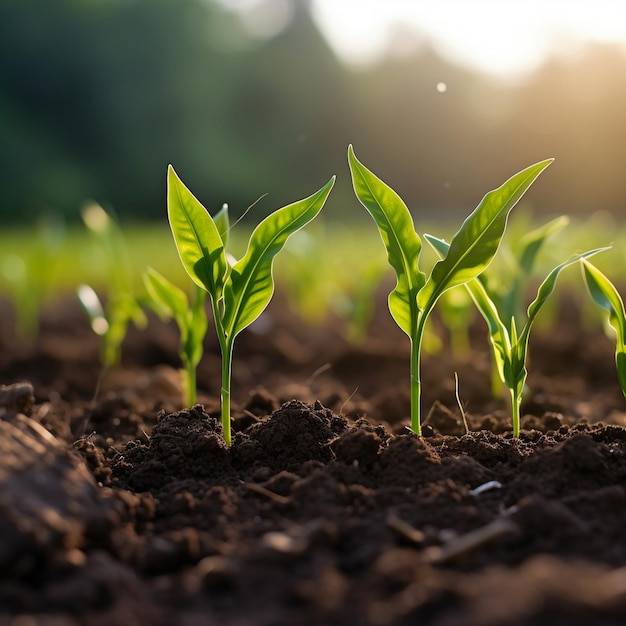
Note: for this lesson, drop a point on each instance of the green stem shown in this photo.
(226, 348)
(190, 382)
(416, 385)
(516, 405)
(227, 361)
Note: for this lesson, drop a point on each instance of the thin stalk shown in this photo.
(516, 405)
(190, 382)
(226, 349)
(416, 385)
(227, 362)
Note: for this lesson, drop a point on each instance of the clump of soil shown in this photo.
(128, 508)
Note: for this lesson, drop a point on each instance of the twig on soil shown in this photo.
(463, 545)
(267, 493)
(348, 400)
(458, 401)
(405, 530)
(318, 372)
(488, 486)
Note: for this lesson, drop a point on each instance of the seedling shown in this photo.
(122, 307)
(471, 250)
(169, 301)
(604, 293)
(241, 292)
(510, 346)
(506, 282)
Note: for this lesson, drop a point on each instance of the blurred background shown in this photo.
(444, 100)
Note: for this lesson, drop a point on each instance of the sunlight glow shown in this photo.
(496, 36)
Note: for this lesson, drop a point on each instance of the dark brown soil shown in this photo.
(126, 508)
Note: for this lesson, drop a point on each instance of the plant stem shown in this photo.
(416, 386)
(226, 349)
(190, 382)
(227, 361)
(516, 405)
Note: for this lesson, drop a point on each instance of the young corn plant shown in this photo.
(241, 292)
(509, 335)
(171, 302)
(122, 307)
(506, 282)
(471, 250)
(604, 293)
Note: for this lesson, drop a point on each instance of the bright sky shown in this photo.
(497, 36)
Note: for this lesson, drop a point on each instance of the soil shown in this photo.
(121, 506)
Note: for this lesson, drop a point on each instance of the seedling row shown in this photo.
(475, 271)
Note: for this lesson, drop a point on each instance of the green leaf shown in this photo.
(531, 243)
(222, 221)
(606, 296)
(198, 325)
(498, 332)
(474, 245)
(250, 286)
(169, 299)
(548, 285)
(198, 240)
(397, 231)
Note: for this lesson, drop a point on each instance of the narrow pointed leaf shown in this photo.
(197, 238)
(531, 243)
(198, 325)
(170, 299)
(606, 296)
(222, 221)
(250, 285)
(397, 231)
(548, 285)
(498, 332)
(473, 246)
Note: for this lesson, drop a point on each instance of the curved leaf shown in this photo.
(222, 222)
(170, 300)
(498, 332)
(197, 238)
(547, 287)
(397, 231)
(250, 286)
(606, 296)
(473, 246)
(530, 244)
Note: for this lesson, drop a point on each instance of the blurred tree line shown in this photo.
(98, 96)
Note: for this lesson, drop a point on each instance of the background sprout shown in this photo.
(169, 301)
(509, 336)
(110, 320)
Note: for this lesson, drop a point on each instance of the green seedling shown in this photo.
(240, 292)
(471, 250)
(171, 302)
(506, 282)
(110, 321)
(604, 293)
(510, 345)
